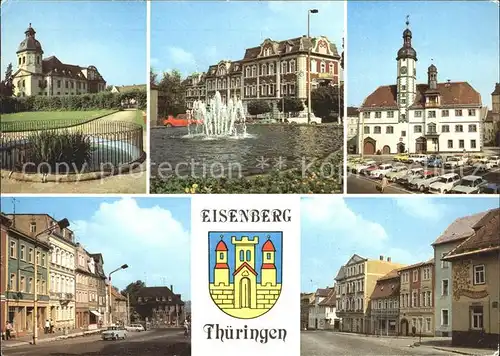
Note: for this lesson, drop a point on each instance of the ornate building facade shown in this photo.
(36, 75)
(270, 71)
(420, 118)
(384, 308)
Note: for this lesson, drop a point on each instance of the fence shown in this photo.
(68, 146)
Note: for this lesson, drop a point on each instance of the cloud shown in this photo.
(150, 240)
(180, 56)
(422, 207)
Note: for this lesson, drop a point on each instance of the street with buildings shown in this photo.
(379, 307)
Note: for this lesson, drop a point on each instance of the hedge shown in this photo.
(98, 101)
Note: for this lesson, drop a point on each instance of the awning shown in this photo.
(96, 313)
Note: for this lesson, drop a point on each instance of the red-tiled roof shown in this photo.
(330, 300)
(244, 265)
(452, 94)
(417, 265)
(268, 246)
(352, 111)
(221, 246)
(459, 229)
(322, 292)
(387, 286)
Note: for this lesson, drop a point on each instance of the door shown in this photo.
(369, 146)
(404, 327)
(386, 150)
(245, 293)
(401, 147)
(421, 145)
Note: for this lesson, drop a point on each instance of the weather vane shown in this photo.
(407, 20)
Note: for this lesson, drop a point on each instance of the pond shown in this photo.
(266, 148)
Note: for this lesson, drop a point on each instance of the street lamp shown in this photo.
(125, 266)
(309, 12)
(61, 224)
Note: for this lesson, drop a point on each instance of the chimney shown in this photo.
(172, 288)
(388, 259)
(381, 258)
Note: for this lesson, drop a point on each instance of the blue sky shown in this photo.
(108, 35)
(151, 235)
(190, 36)
(276, 238)
(460, 36)
(334, 228)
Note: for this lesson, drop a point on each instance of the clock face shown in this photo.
(403, 70)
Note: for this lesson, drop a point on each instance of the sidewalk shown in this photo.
(42, 338)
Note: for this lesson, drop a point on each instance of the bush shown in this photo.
(257, 107)
(54, 148)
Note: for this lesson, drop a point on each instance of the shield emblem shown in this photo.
(245, 272)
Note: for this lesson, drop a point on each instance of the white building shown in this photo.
(432, 117)
(352, 128)
(322, 312)
(62, 279)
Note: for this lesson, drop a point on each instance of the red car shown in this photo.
(368, 170)
(182, 120)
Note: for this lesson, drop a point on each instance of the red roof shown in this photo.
(244, 264)
(268, 266)
(268, 246)
(221, 266)
(221, 246)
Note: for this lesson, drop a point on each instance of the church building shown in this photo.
(420, 118)
(49, 76)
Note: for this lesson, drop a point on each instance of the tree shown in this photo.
(132, 289)
(325, 102)
(153, 77)
(290, 105)
(257, 107)
(173, 94)
(6, 85)
(109, 87)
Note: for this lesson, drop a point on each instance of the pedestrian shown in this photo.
(384, 184)
(186, 328)
(51, 326)
(47, 326)
(8, 331)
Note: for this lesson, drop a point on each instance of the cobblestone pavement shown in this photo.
(325, 343)
(156, 342)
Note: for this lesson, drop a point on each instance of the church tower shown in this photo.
(221, 270)
(245, 251)
(29, 53)
(268, 273)
(407, 74)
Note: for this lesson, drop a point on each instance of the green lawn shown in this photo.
(34, 120)
(139, 119)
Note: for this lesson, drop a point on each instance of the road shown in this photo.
(165, 342)
(325, 343)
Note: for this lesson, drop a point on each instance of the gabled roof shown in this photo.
(451, 93)
(459, 229)
(159, 292)
(387, 286)
(330, 300)
(417, 265)
(244, 265)
(340, 274)
(322, 292)
(53, 65)
(355, 259)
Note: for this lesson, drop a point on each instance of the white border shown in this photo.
(346, 76)
(148, 93)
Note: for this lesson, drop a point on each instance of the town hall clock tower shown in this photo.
(407, 74)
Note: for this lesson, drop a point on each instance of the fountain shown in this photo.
(218, 120)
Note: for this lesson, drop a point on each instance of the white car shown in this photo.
(445, 183)
(469, 185)
(494, 160)
(411, 175)
(422, 184)
(114, 333)
(483, 165)
(454, 162)
(397, 172)
(135, 327)
(363, 165)
(382, 170)
(417, 159)
(302, 118)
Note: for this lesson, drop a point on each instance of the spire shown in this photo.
(407, 21)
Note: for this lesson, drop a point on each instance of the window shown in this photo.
(445, 113)
(472, 143)
(268, 255)
(458, 112)
(432, 114)
(23, 253)
(38, 258)
(405, 277)
(444, 317)
(461, 144)
(444, 264)
(378, 114)
(43, 260)
(450, 143)
(418, 113)
(390, 114)
(366, 130)
(242, 256)
(428, 324)
(444, 287)
(403, 87)
(445, 128)
(472, 128)
(477, 317)
(414, 299)
(30, 285)
(12, 282)
(366, 115)
(479, 277)
(221, 255)
(459, 128)
(13, 249)
(249, 255)
(472, 112)
(415, 276)
(22, 284)
(377, 129)
(389, 130)
(427, 273)
(417, 128)
(403, 101)
(403, 133)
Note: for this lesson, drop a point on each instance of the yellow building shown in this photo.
(244, 297)
(476, 284)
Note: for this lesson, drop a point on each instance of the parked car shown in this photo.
(469, 185)
(411, 175)
(367, 171)
(445, 183)
(422, 184)
(181, 120)
(302, 118)
(454, 162)
(494, 160)
(382, 170)
(490, 188)
(472, 159)
(114, 333)
(397, 172)
(435, 161)
(417, 158)
(135, 327)
(363, 165)
(400, 157)
(483, 165)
